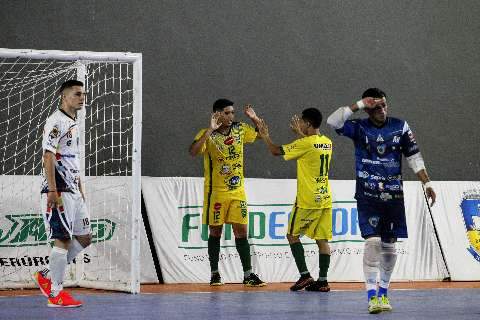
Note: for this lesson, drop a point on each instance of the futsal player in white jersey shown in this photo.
(63, 203)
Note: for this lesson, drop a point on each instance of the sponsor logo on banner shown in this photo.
(28, 230)
(470, 206)
(267, 225)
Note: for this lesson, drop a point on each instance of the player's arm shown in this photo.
(49, 169)
(265, 135)
(197, 145)
(415, 161)
(337, 119)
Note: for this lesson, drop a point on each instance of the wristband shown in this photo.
(428, 185)
(360, 104)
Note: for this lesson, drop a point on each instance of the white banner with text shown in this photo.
(174, 206)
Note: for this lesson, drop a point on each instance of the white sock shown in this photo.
(388, 258)
(247, 273)
(58, 264)
(371, 257)
(74, 250)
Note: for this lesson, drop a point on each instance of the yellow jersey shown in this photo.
(223, 160)
(313, 155)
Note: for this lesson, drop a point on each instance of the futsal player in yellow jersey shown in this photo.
(312, 212)
(224, 195)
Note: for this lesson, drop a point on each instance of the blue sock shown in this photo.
(371, 293)
(382, 291)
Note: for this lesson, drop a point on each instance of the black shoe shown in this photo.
(305, 280)
(319, 285)
(253, 281)
(216, 280)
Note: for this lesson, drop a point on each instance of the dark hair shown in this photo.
(313, 116)
(220, 104)
(373, 93)
(68, 84)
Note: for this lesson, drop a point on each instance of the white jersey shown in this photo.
(61, 137)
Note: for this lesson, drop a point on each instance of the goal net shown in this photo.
(110, 143)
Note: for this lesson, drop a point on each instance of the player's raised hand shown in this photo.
(215, 122)
(262, 128)
(431, 195)
(250, 112)
(295, 125)
(371, 103)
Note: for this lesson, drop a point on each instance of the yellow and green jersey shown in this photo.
(223, 160)
(313, 155)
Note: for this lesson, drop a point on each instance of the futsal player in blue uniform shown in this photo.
(380, 142)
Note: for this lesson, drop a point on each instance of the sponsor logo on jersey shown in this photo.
(363, 174)
(225, 169)
(234, 180)
(470, 206)
(377, 178)
(229, 141)
(393, 187)
(385, 196)
(323, 146)
(395, 177)
(396, 139)
(380, 138)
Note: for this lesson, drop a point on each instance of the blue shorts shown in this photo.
(386, 220)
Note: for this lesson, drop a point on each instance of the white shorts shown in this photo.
(70, 218)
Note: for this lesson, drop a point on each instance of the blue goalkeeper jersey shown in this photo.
(378, 157)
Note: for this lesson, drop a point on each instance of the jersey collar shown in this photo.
(380, 126)
(62, 111)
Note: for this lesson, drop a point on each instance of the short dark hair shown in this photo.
(221, 103)
(373, 93)
(68, 84)
(313, 116)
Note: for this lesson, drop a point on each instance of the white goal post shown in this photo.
(110, 125)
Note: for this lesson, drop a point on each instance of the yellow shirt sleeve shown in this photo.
(249, 133)
(295, 149)
(197, 137)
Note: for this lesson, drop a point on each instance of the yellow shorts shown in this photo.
(314, 223)
(219, 211)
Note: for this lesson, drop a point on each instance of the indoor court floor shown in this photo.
(439, 301)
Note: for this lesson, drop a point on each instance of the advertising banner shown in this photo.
(457, 218)
(24, 247)
(174, 207)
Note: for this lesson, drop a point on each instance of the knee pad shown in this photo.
(371, 254)
(388, 256)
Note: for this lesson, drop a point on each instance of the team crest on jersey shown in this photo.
(54, 133)
(381, 149)
(470, 207)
